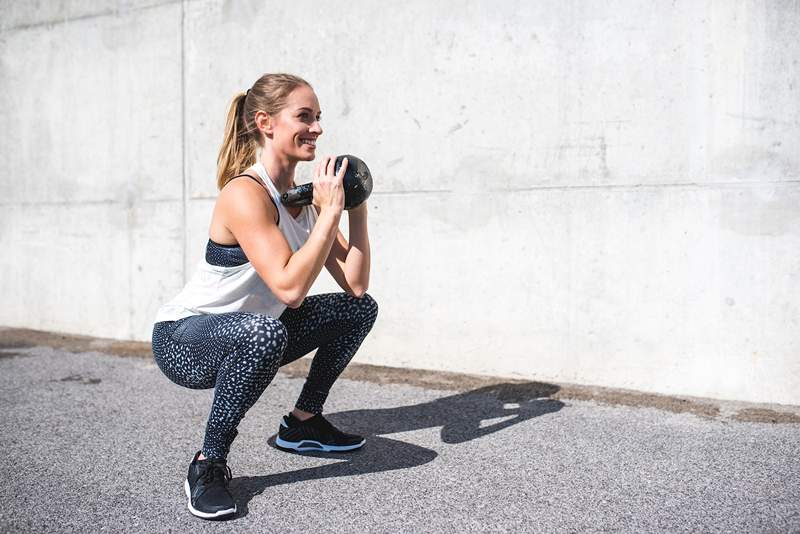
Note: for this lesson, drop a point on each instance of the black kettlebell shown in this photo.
(357, 184)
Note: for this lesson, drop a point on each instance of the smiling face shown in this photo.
(296, 127)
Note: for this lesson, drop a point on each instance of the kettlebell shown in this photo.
(357, 184)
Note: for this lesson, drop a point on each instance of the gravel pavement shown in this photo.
(95, 442)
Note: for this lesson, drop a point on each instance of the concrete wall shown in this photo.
(601, 193)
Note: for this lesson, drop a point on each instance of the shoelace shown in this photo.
(325, 425)
(216, 470)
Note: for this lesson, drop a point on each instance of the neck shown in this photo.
(279, 168)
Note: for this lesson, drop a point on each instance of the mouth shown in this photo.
(311, 142)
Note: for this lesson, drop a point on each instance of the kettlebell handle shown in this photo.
(301, 195)
(357, 184)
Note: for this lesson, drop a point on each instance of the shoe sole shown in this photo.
(204, 515)
(308, 445)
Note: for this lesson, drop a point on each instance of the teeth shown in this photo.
(308, 142)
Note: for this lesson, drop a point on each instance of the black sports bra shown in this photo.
(232, 255)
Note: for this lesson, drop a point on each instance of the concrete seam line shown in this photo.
(13, 339)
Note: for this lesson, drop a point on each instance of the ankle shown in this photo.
(302, 415)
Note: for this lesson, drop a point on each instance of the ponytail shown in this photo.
(238, 150)
(242, 138)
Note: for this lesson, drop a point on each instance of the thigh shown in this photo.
(191, 351)
(317, 321)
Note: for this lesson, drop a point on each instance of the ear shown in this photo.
(265, 123)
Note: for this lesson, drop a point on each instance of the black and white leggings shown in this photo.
(238, 353)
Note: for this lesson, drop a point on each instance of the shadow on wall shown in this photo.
(460, 417)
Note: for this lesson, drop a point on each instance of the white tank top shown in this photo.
(216, 289)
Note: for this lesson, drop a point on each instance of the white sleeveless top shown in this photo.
(215, 289)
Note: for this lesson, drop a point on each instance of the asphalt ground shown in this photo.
(99, 442)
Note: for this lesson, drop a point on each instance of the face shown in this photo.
(296, 127)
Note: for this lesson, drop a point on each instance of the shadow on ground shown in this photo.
(463, 417)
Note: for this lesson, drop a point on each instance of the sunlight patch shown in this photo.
(489, 422)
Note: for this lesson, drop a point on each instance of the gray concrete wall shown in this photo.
(599, 193)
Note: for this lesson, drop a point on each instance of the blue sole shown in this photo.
(308, 445)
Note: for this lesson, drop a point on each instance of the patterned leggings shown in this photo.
(238, 353)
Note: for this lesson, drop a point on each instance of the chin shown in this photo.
(301, 156)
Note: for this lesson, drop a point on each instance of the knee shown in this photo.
(264, 337)
(367, 308)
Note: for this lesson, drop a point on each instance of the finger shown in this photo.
(331, 166)
(323, 165)
(342, 169)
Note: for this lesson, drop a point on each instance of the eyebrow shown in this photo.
(308, 109)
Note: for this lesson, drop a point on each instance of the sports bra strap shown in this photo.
(249, 176)
(268, 193)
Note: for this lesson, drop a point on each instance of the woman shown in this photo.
(245, 312)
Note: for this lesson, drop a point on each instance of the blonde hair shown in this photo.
(242, 138)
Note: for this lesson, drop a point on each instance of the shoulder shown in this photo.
(243, 196)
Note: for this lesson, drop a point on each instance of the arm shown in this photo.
(250, 217)
(349, 263)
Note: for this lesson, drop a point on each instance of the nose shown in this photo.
(316, 128)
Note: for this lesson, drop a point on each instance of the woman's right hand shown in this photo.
(328, 190)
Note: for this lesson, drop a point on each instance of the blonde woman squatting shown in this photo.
(246, 311)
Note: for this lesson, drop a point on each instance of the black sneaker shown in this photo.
(314, 434)
(207, 488)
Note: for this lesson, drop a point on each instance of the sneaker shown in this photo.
(314, 434)
(207, 488)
